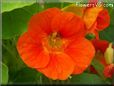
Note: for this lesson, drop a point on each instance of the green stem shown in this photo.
(41, 79)
(62, 5)
(41, 3)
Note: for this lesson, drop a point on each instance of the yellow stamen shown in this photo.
(55, 40)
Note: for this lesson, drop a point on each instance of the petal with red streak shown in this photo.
(68, 24)
(40, 22)
(82, 53)
(60, 66)
(32, 52)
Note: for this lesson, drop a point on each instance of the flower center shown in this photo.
(55, 40)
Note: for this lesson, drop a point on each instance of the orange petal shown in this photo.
(32, 52)
(68, 24)
(91, 15)
(94, 30)
(60, 66)
(40, 22)
(82, 52)
(103, 20)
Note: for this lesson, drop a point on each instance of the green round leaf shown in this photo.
(8, 5)
(15, 22)
(27, 76)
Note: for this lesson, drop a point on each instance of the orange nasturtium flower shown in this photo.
(95, 18)
(54, 44)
